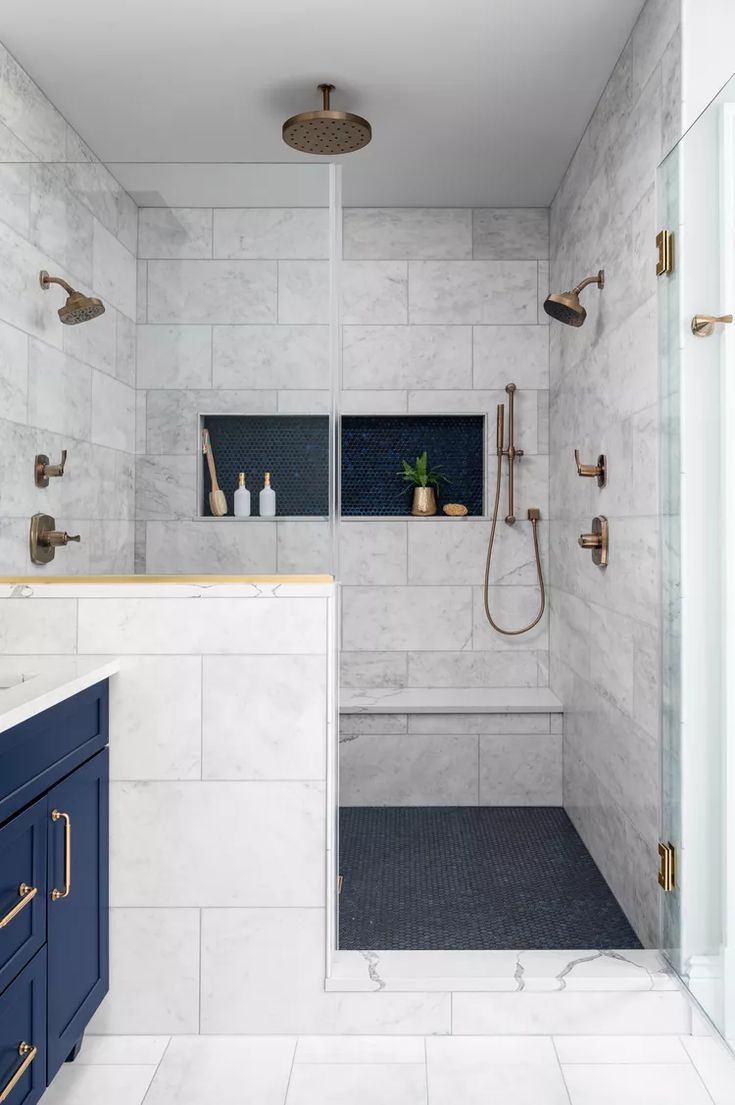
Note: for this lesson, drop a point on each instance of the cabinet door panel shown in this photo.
(23, 1028)
(77, 905)
(22, 890)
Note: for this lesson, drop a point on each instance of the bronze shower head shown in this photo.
(565, 306)
(326, 131)
(78, 307)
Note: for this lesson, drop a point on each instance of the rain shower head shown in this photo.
(565, 306)
(78, 307)
(326, 131)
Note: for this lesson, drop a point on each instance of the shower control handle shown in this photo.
(703, 326)
(45, 538)
(593, 471)
(597, 541)
(57, 538)
(43, 470)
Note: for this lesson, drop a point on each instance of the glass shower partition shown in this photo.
(697, 204)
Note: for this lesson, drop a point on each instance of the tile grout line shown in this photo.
(291, 1070)
(561, 1069)
(158, 1067)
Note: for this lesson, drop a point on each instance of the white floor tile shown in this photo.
(357, 1084)
(111, 1050)
(508, 1070)
(716, 1067)
(634, 1084)
(360, 1049)
(228, 1070)
(113, 1085)
(620, 1049)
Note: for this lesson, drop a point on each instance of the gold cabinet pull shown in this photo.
(57, 815)
(29, 1052)
(26, 894)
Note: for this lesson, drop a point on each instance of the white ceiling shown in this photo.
(473, 102)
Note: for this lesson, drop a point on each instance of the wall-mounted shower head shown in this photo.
(78, 307)
(565, 306)
(326, 131)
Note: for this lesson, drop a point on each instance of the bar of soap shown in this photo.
(455, 510)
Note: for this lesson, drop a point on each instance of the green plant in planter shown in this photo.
(420, 475)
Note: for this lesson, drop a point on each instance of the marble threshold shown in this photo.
(450, 700)
(501, 971)
(179, 586)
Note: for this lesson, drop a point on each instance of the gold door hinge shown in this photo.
(665, 245)
(667, 866)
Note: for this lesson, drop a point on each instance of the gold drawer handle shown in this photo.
(57, 815)
(30, 1053)
(27, 894)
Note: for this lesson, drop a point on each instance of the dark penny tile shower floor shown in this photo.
(433, 877)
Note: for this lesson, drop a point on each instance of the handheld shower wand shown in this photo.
(534, 514)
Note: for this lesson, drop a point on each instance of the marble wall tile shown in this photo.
(271, 232)
(156, 718)
(154, 973)
(125, 353)
(173, 415)
(304, 402)
(511, 607)
(162, 626)
(208, 866)
(59, 392)
(373, 669)
(15, 189)
(60, 225)
(111, 550)
(175, 233)
(303, 292)
(20, 303)
(271, 356)
(482, 292)
(165, 487)
(95, 345)
(11, 147)
(212, 291)
(281, 700)
(489, 724)
(141, 298)
(263, 971)
(424, 357)
(351, 725)
(410, 618)
(373, 552)
(510, 354)
(444, 551)
(374, 292)
(402, 233)
(304, 547)
(28, 114)
(44, 626)
(113, 413)
(374, 402)
(473, 669)
(518, 233)
(408, 770)
(174, 357)
(215, 546)
(13, 374)
(520, 770)
(114, 271)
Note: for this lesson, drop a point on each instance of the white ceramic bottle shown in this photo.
(242, 499)
(267, 501)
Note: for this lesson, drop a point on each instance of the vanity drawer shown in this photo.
(39, 752)
(23, 1035)
(23, 865)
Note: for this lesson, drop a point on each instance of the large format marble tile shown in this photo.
(271, 232)
(212, 291)
(620, 1049)
(473, 669)
(174, 357)
(511, 608)
(360, 1049)
(174, 232)
(510, 354)
(571, 1013)
(228, 1069)
(373, 552)
(264, 717)
(113, 413)
(361, 1083)
(166, 487)
(520, 770)
(172, 417)
(44, 626)
(520, 233)
(408, 770)
(29, 115)
(113, 271)
(59, 224)
(87, 1085)
(374, 292)
(422, 357)
(59, 392)
(217, 547)
(237, 844)
(402, 233)
(454, 550)
(13, 374)
(480, 292)
(515, 1070)
(373, 669)
(15, 188)
(97, 345)
(651, 1084)
(411, 618)
(263, 971)
(20, 302)
(303, 292)
(271, 356)
(122, 1051)
(304, 547)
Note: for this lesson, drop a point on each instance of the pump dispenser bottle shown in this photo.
(242, 499)
(267, 500)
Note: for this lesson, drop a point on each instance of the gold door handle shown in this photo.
(30, 1052)
(57, 815)
(26, 894)
(704, 325)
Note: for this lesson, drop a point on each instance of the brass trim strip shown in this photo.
(56, 895)
(26, 894)
(39, 579)
(30, 1052)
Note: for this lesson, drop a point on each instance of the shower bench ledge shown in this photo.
(450, 700)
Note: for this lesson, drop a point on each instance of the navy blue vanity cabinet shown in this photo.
(54, 784)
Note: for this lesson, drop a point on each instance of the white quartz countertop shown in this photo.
(30, 685)
(450, 700)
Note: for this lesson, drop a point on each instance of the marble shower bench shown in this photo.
(442, 746)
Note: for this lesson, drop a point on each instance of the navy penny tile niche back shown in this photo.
(293, 448)
(374, 446)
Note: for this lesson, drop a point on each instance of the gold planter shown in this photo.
(424, 502)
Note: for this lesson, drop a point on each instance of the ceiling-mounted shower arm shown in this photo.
(326, 91)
